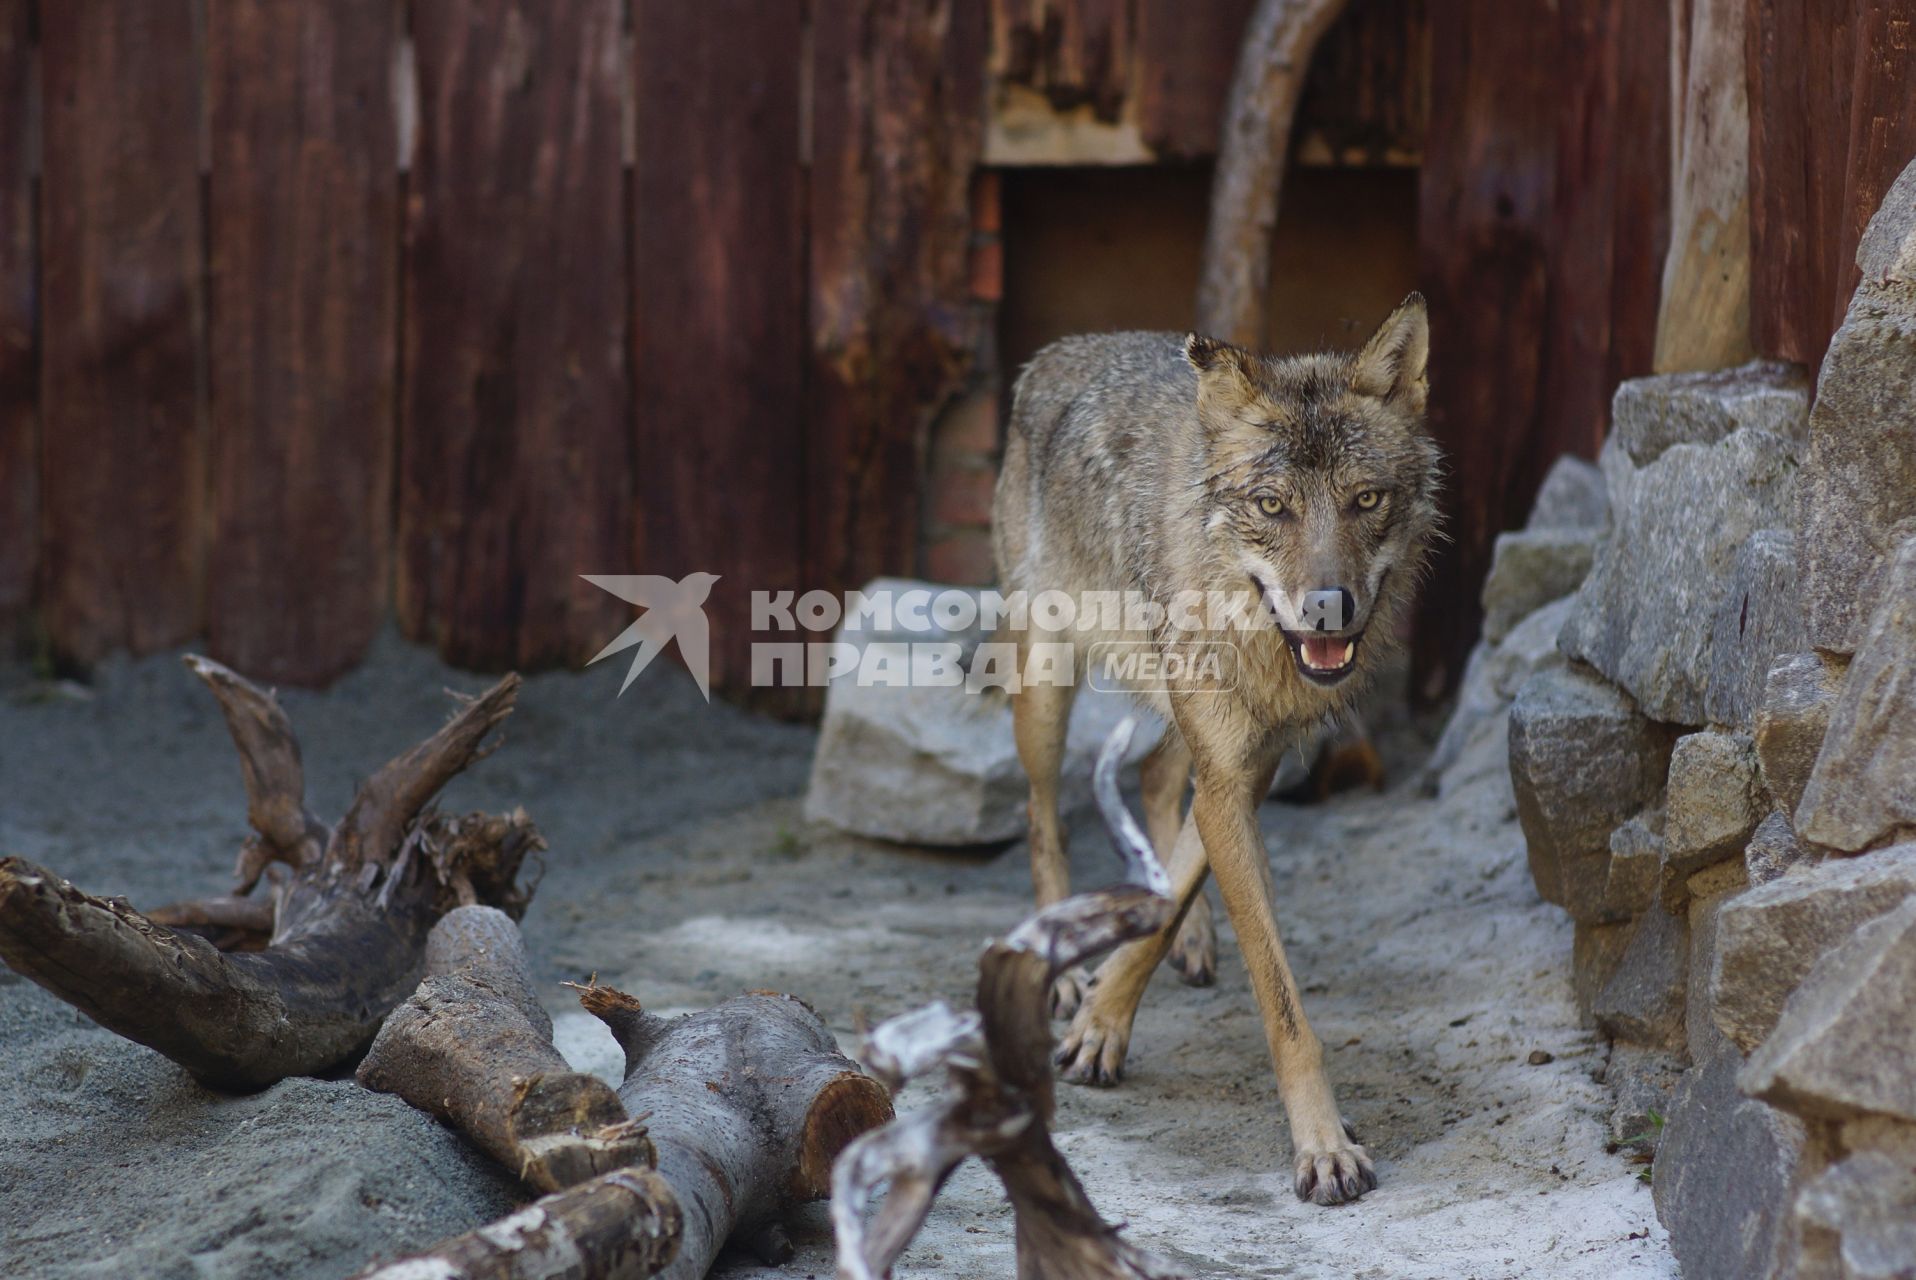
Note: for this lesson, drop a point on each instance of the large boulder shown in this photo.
(1649, 415)
(1645, 615)
(1859, 474)
(1492, 677)
(1799, 696)
(1769, 938)
(1572, 496)
(1583, 760)
(1643, 1001)
(1759, 618)
(1774, 848)
(936, 764)
(1713, 804)
(1723, 1176)
(1845, 1042)
(1856, 1220)
(1862, 791)
(1529, 569)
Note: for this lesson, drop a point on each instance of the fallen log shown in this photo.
(999, 1101)
(622, 1225)
(473, 1046)
(747, 1105)
(351, 909)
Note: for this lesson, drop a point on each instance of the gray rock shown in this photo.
(1572, 497)
(936, 765)
(1636, 863)
(1713, 804)
(1774, 848)
(1769, 938)
(1492, 677)
(1847, 1037)
(1857, 1219)
(1643, 1000)
(1595, 952)
(1529, 569)
(1859, 474)
(1645, 615)
(1798, 699)
(1583, 760)
(1760, 618)
(1702, 1037)
(1644, 1080)
(1863, 788)
(1723, 1176)
(1649, 415)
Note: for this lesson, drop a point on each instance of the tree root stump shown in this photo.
(350, 908)
(999, 1101)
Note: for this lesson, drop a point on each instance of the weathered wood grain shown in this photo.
(1076, 52)
(123, 447)
(515, 471)
(1485, 208)
(897, 128)
(718, 335)
(1882, 127)
(1186, 54)
(19, 328)
(303, 331)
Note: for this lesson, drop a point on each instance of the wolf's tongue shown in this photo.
(1324, 654)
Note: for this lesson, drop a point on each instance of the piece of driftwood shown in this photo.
(350, 916)
(747, 1105)
(622, 1225)
(1234, 277)
(473, 1047)
(999, 1102)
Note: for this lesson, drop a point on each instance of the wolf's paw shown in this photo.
(1069, 990)
(1092, 1052)
(1194, 953)
(1335, 1172)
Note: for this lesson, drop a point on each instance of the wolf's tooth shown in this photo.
(1349, 649)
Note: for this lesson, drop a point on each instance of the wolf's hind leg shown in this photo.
(1040, 719)
(1164, 777)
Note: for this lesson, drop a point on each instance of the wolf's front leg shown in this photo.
(1329, 1167)
(1092, 1050)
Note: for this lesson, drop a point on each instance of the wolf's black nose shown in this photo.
(1328, 609)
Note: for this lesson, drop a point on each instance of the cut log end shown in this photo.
(851, 1105)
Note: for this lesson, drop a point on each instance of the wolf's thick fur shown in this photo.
(1155, 464)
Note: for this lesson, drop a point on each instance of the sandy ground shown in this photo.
(681, 870)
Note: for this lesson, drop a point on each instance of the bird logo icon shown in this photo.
(673, 610)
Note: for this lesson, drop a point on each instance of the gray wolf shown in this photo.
(1155, 463)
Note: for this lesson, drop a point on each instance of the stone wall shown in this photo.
(1707, 646)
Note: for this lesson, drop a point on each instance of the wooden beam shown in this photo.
(19, 328)
(718, 337)
(123, 445)
(898, 123)
(515, 460)
(304, 218)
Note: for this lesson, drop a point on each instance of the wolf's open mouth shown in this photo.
(1324, 659)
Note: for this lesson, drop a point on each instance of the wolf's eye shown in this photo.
(1368, 500)
(1270, 506)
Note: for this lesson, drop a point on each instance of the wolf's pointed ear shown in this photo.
(1391, 365)
(1224, 383)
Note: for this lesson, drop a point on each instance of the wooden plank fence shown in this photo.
(658, 286)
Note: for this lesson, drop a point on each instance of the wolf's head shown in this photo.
(1322, 484)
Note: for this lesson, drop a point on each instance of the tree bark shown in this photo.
(747, 1104)
(349, 921)
(1235, 277)
(999, 1102)
(622, 1225)
(473, 1047)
